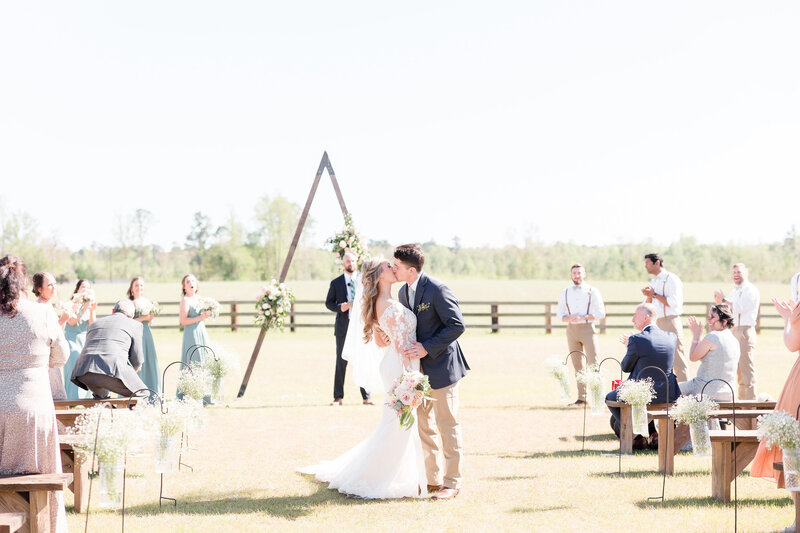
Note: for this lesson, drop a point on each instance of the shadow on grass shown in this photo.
(553, 408)
(559, 453)
(604, 437)
(509, 478)
(650, 473)
(539, 509)
(708, 501)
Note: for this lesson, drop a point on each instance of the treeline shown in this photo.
(234, 250)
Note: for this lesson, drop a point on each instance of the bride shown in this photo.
(388, 463)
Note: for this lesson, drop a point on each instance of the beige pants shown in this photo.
(746, 335)
(441, 437)
(679, 367)
(582, 337)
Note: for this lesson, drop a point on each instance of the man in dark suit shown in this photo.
(112, 354)
(439, 324)
(340, 299)
(652, 347)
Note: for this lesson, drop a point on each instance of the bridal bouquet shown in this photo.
(274, 306)
(408, 393)
(694, 412)
(637, 393)
(782, 430)
(557, 368)
(81, 298)
(348, 240)
(210, 305)
(145, 307)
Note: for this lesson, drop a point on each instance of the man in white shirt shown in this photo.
(744, 301)
(794, 285)
(665, 291)
(580, 305)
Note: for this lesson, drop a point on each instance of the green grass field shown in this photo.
(523, 471)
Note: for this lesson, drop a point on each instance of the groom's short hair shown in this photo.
(410, 254)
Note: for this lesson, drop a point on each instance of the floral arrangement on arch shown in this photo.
(348, 240)
(274, 306)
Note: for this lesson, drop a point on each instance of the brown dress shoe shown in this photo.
(368, 402)
(446, 494)
(336, 401)
(434, 488)
(578, 402)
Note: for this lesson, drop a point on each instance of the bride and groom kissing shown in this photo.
(418, 332)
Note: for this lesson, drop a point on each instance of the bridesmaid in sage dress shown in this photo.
(149, 373)
(192, 318)
(44, 286)
(75, 332)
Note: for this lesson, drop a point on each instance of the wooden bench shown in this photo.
(626, 422)
(723, 469)
(71, 463)
(670, 445)
(114, 402)
(746, 423)
(11, 522)
(28, 494)
(68, 416)
(779, 467)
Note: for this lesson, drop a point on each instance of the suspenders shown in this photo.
(588, 305)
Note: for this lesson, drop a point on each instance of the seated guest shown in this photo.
(112, 354)
(718, 354)
(652, 347)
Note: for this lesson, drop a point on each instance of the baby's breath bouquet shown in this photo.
(117, 434)
(782, 430)
(194, 383)
(348, 240)
(219, 366)
(693, 411)
(637, 393)
(593, 380)
(168, 422)
(145, 307)
(554, 366)
(274, 306)
(210, 305)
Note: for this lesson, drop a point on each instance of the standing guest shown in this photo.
(32, 342)
(652, 347)
(340, 297)
(788, 400)
(149, 373)
(744, 301)
(580, 305)
(44, 287)
(665, 291)
(75, 332)
(192, 317)
(718, 354)
(112, 355)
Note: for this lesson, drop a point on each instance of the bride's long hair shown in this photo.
(370, 278)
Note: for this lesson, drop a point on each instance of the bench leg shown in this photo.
(626, 429)
(666, 447)
(80, 480)
(39, 513)
(721, 470)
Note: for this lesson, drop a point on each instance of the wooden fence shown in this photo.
(497, 315)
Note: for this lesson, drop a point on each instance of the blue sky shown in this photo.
(582, 121)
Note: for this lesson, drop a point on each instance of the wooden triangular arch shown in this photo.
(324, 164)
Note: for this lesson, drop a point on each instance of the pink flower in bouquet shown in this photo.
(412, 381)
(418, 396)
(407, 397)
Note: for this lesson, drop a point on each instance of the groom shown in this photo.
(439, 324)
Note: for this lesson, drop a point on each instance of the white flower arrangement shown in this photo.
(348, 240)
(590, 376)
(194, 383)
(210, 305)
(86, 297)
(779, 429)
(691, 409)
(553, 365)
(176, 416)
(274, 306)
(119, 433)
(145, 307)
(64, 307)
(636, 391)
(220, 364)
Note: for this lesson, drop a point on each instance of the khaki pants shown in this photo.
(582, 337)
(679, 367)
(746, 335)
(441, 437)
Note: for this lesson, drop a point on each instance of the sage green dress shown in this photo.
(150, 374)
(76, 337)
(195, 335)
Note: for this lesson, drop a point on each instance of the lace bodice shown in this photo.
(400, 324)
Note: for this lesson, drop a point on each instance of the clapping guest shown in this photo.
(149, 372)
(83, 314)
(32, 342)
(718, 354)
(44, 286)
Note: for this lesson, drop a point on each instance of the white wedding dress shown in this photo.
(388, 463)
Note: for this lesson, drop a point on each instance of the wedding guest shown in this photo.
(44, 287)
(112, 355)
(665, 291)
(788, 400)
(32, 342)
(81, 316)
(149, 372)
(718, 354)
(651, 347)
(340, 297)
(580, 305)
(744, 301)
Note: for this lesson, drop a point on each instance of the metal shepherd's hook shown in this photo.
(733, 465)
(583, 439)
(163, 386)
(600, 365)
(93, 472)
(667, 425)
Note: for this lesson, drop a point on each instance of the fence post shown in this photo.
(604, 320)
(548, 323)
(758, 320)
(234, 316)
(291, 319)
(495, 319)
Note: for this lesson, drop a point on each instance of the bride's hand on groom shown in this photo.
(415, 350)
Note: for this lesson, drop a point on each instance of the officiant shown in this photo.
(341, 293)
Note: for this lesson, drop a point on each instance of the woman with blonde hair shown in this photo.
(388, 463)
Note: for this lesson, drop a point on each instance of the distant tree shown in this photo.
(143, 220)
(276, 222)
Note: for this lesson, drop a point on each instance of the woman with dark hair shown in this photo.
(44, 286)
(718, 354)
(32, 342)
(83, 314)
(144, 314)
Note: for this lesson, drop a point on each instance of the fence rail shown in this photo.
(492, 315)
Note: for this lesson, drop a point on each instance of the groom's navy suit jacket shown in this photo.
(439, 324)
(653, 347)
